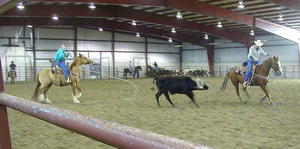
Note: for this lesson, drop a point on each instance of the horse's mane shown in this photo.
(266, 65)
(74, 63)
(267, 61)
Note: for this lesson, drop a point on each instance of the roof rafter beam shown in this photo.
(7, 4)
(206, 9)
(293, 4)
(106, 24)
(126, 13)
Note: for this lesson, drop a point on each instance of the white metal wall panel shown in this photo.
(3, 41)
(54, 33)
(48, 54)
(94, 45)
(93, 34)
(53, 44)
(162, 48)
(274, 40)
(122, 59)
(9, 31)
(223, 43)
(194, 59)
(191, 46)
(230, 56)
(169, 61)
(42, 64)
(125, 46)
(157, 40)
(126, 37)
(287, 54)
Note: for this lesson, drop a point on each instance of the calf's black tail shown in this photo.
(152, 88)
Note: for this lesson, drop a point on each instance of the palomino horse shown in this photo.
(260, 78)
(12, 74)
(46, 78)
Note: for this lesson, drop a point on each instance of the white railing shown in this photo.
(93, 72)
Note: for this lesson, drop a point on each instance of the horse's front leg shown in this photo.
(74, 89)
(264, 88)
(78, 95)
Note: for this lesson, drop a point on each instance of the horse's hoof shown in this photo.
(40, 100)
(76, 101)
(47, 101)
(262, 99)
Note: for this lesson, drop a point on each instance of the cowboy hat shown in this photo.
(258, 43)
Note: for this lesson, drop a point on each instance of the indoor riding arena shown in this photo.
(149, 74)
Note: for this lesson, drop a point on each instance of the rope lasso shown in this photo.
(134, 85)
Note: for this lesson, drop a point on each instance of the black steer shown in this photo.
(177, 85)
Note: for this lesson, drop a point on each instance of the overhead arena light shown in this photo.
(179, 15)
(138, 35)
(219, 25)
(241, 4)
(173, 30)
(133, 23)
(206, 37)
(170, 40)
(92, 6)
(30, 26)
(280, 17)
(55, 18)
(100, 29)
(20, 6)
(252, 33)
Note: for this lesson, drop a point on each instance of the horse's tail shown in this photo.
(225, 82)
(34, 97)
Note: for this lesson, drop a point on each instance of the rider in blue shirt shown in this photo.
(60, 57)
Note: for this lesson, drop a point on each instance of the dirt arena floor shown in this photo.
(220, 122)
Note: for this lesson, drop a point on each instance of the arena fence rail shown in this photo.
(110, 133)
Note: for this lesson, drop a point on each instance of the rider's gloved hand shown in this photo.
(68, 54)
(251, 57)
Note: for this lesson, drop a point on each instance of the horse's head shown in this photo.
(82, 60)
(139, 68)
(276, 65)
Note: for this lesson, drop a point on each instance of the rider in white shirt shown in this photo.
(131, 66)
(255, 52)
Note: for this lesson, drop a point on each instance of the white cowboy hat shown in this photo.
(258, 43)
(63, 46)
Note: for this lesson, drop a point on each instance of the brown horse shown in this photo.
(260, 77)
(46, 78)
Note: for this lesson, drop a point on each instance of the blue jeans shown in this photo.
(249, 71)
(63, 66)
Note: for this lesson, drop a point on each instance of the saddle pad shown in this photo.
(239, 70)
(57, 70)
